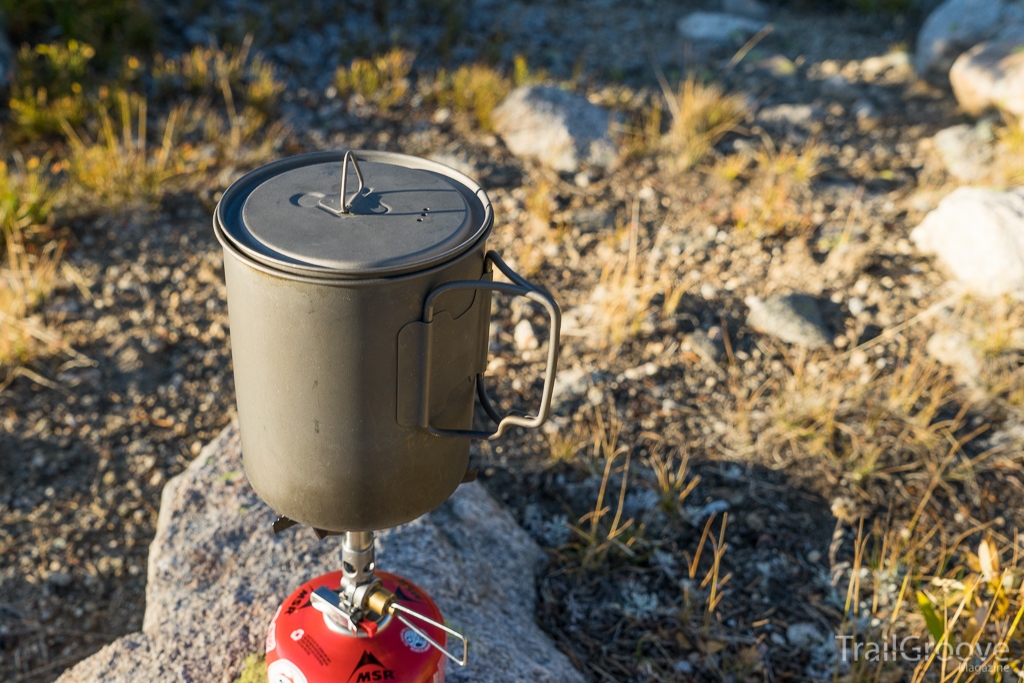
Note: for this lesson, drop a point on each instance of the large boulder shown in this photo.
(979, 235)
(558, 128)
(954, 26)
(991, 76)
(217, 574)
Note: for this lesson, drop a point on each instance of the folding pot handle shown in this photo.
(521, 287)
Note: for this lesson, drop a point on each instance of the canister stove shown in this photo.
(359, 625)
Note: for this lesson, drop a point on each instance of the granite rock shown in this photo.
(991, 76)
(558, 128)
(954, 26)
(979, 235)
(217, 574)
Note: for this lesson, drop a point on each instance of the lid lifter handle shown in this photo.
(347, 204)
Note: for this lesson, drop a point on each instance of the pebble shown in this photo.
(867, 114)
(955, 350)
(717, 28)
(978, 234)
(709, 350)
(792, 318)
(804, 635)
(790, 114)
(59, 579)
(753, 9)
(965, 151)
(558, 128)
(524, 336)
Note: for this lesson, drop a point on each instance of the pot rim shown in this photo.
(244, 258)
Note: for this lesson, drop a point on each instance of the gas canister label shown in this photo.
(272, 636)
(283, 671)
(414, 641)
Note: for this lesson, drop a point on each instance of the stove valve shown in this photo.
(380, 600)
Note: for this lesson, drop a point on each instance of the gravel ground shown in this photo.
(143, 305)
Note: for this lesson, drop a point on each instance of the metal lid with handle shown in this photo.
(394, 214)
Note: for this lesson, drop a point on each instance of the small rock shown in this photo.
(990, 76)
(525, 337)
(59, 579)
(717, 28)
(591, 220)
(709, 350)
(558, 128)
(838, 88)
(789, 114)
(964, 151)
(804, 635)
(459, 163)
(954, 349)
(954, 26)
(745, 8)
(779, 66)
(792, 318)
(856, 306)
(867, 114)
(682, 666)
(571, 384)
(979, 235)
(698, 513)
(845, 509)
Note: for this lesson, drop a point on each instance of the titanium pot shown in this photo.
(359, 328)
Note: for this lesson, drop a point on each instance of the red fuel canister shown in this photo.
(303, 648)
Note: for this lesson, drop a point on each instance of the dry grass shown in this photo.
(118, 168)
(474, 90)
(702, 113)
(383, 81)
(777, 193)
(1010, 151)
(643, 135)
(915, 584)
(622, 302)
(26, 279)
(858, 423)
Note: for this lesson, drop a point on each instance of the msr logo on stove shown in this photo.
(381, 673)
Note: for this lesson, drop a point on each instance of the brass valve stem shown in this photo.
(380, 601)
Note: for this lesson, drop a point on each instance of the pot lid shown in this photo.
(397, 214)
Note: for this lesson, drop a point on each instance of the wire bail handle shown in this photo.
(341, 206)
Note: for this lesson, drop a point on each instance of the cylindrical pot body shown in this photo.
(359, 334)
(316, 379)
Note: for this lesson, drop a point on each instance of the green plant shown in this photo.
(382, 80)
(26, 198)
(49, 87)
